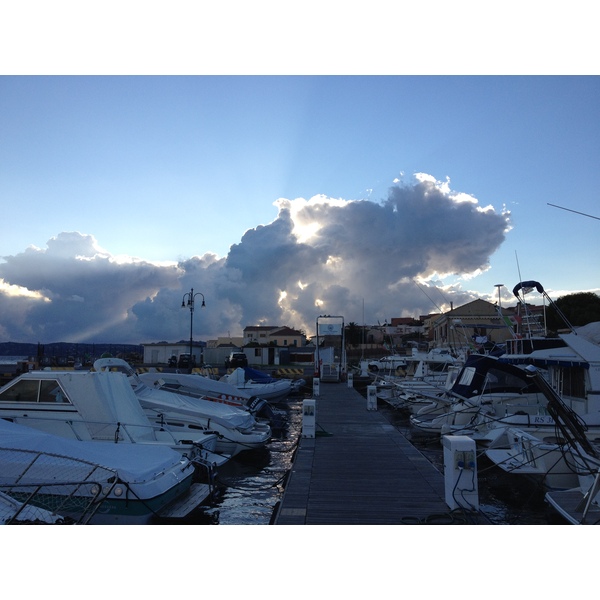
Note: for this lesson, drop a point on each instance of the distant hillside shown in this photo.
(66, 349)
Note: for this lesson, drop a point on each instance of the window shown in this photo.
(23, 391)
(50, 391)
(467, 376)
(32, 390)
(499, 381)
(573, 381)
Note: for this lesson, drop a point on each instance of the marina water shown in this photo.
(249, 486)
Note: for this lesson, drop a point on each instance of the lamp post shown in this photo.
(190, 304)
(499, 286)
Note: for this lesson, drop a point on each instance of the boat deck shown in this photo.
(570, 504)
(359, 469)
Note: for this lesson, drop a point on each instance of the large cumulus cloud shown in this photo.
(318, 256)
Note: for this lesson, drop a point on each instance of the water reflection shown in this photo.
(250, 485)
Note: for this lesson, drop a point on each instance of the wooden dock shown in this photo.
(359, 470)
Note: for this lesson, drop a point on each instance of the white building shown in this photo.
(159, 353)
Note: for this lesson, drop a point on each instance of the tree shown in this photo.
(354, 334)
(580, 309)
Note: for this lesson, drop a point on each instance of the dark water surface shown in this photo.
(250, 485)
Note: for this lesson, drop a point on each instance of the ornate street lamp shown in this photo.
(190, 304)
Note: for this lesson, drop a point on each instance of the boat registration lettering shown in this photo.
(543, 420)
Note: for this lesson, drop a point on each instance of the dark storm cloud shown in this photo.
(357, 252)
(82, 292)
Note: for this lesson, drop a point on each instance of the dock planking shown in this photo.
(358, 470)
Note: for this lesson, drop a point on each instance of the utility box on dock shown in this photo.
(330, 372)
(460, 472)
(350, 380)
(316, 387)
(309, 418)
(371, 397)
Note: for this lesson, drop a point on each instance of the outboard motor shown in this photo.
(261, 409)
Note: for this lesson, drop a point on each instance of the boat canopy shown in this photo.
(529, 285)
(259, 376)
(484, 374)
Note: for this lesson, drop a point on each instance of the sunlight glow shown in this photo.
(16, 291)
(302, 214)
(334, 261)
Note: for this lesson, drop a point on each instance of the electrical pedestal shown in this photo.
(309, 418)
(371, 397)
(316, 386)
(460, 472)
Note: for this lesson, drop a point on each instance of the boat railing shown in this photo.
(51, 498)
(53, 483)
(589, 496)
(120, 431)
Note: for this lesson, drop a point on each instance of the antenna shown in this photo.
(518, 267)
(573, 211)
(432, 302)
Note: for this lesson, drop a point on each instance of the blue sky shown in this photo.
(163, 183)
(196, 161)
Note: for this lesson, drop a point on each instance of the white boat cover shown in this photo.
(227, 416)
(133, 463)
(204, 385)
(268, 391)
(162, 400)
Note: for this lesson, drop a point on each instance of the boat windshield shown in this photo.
(35, 390)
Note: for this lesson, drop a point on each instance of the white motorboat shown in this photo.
(237, 429)
(96, 406)
(545, 445)
(43, 476)
(547, 461)
(580, 504)
(527, 440)
(573, 372)
(199, 386)
(485, 393)
(272, 390)
(415, 395)
(427, 373)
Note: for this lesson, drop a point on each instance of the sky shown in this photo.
(281, 196)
